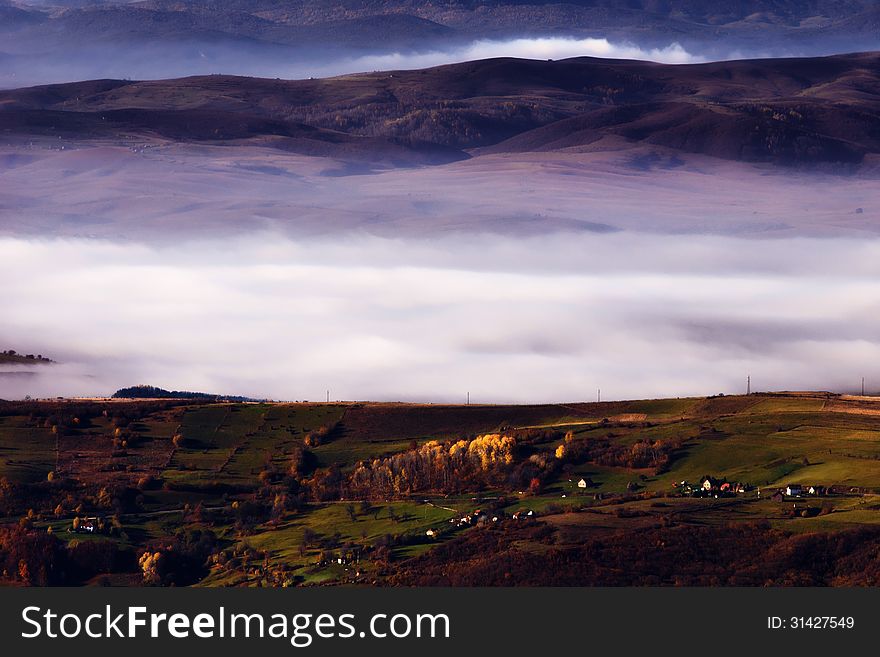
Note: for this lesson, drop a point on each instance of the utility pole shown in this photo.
(598, 395)
(863, 386)
(749, 384)
(328, 396)
(469, 398)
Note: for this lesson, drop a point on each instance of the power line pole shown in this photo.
(749, 384)
(469, 398)
(328, 396)
(863, 386)
(598, 395)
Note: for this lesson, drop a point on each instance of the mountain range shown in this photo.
(62, 40)
(396, 23)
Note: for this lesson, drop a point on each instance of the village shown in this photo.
(479, 517)
(710, 486)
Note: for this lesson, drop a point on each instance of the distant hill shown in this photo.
(59, 40)
(384, 24)
(11, 357)
(784, 111)
(152, 392)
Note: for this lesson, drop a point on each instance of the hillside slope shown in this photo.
(788, 111)
(556, 494)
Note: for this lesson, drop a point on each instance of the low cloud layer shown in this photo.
(508, 320)
(532, 48)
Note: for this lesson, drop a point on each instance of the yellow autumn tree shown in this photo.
(150, 563)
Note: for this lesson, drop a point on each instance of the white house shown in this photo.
(582, 483)
(794, 490)
(85, 525)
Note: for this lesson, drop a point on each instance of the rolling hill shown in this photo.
(269, 494)
(61, 40)
(784, 111)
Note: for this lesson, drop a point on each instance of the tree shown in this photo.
(151, 566)
(105, 499)
(24, 571)
(350, 510)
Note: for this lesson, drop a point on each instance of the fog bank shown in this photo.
(173, 192)
(548, 318)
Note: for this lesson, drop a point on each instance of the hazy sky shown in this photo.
(511, 320)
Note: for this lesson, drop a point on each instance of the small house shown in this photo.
(794, 490)
(708, 484)
(582, 483)
(778, 496)
(85, 525)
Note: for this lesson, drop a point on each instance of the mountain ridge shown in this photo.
(777, 26)
(782, 111)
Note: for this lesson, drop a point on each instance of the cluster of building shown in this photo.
(345, 558)
(87, 525)
(475, 518)
(797, 490)
(479, 517)
(712, 487)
